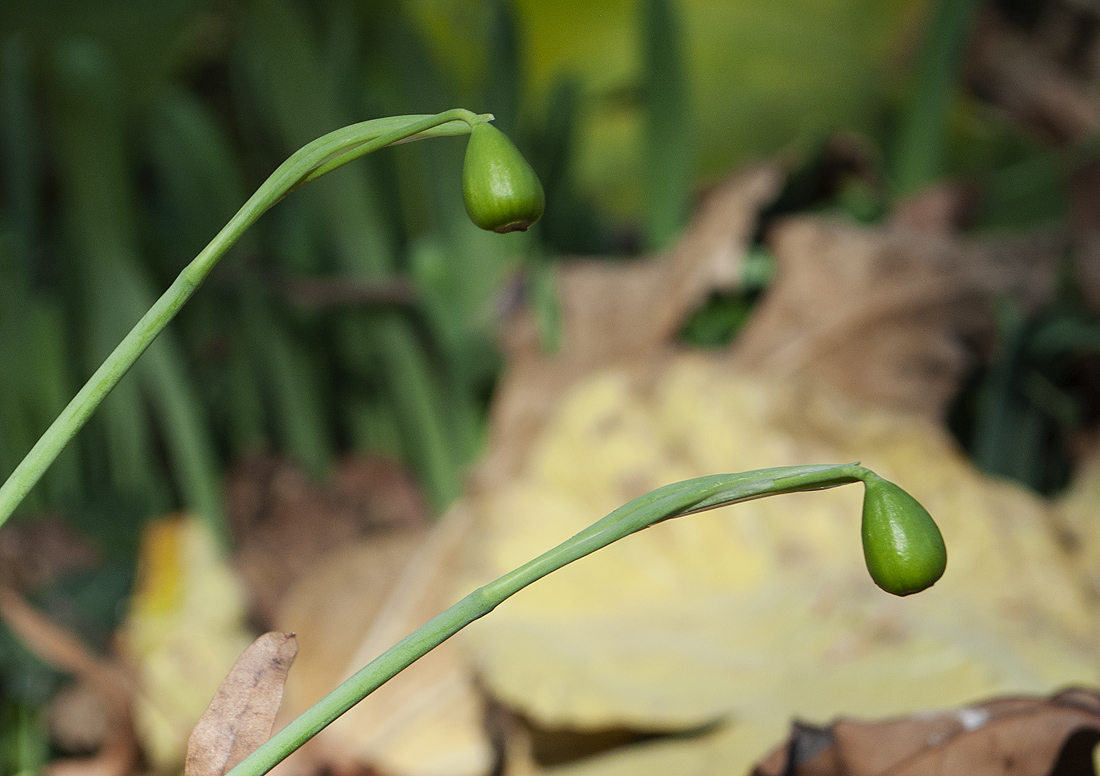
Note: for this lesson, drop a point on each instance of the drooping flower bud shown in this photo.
(501, 191)
(902, 545)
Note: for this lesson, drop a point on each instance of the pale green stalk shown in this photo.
(675, 500)
(322, 156)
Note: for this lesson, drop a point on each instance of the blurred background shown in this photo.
(358, 319)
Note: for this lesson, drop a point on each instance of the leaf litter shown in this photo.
(1029, 736)
(730, 625)
(359, 601)
(185, 627)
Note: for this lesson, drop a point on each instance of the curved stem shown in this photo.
(318, 158)
(675, 500)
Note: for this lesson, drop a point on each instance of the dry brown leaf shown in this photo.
(356, 603)
(1037, 83)
(241, 715)
(895, 317)
(38, 552)
(283, 523)
(1013, 736)
(78, 720)
(946, 208)
(57, 647)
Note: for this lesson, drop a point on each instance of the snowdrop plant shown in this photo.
(903, 547)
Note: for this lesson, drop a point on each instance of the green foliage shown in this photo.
(667, 128)
(123, 153)
(919, 146)
(1019, 415)
(24, 741)
(121, 163)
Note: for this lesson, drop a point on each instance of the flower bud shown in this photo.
(501, 191)
(901, 543)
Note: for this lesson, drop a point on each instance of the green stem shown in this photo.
(675, 500)
(318, 158)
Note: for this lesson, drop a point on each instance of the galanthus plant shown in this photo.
(903, 547)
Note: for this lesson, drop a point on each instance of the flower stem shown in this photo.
(670, 501)
(318, 158)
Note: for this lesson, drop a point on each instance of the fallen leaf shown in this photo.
(717, 749)
(749, 616)
(1022, 73)
(620, 312)
(38, 552)
(765, 609)
(283, 523)
(1017, 736)
(946, 208)
(892, 316)
(1076, 512)
(78, 720)
(357, 602)
(241, 715)
(185, 627)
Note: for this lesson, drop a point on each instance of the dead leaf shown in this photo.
(38, 552)
(185, 627)
(1021, 736)
(78, 720)
(283, 523)
(733, 614)
(719, 749)
(242, 713)
(1076, 513)
(1041, 85)
(357, 602)
(946, 208)
(892, 316)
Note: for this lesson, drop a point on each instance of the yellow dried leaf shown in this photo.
(184, 631)
(718, 752)
(763, 611)
(754, 614)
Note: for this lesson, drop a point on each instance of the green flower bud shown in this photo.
(901, 543)
(501, 191)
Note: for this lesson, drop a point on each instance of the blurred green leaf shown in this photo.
(24, 738)
(290, 377)
(667, 125)
(117, 291)
(285, 66)
(1029, 193)
(762, 75)
(918, 152)
(147, 40)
